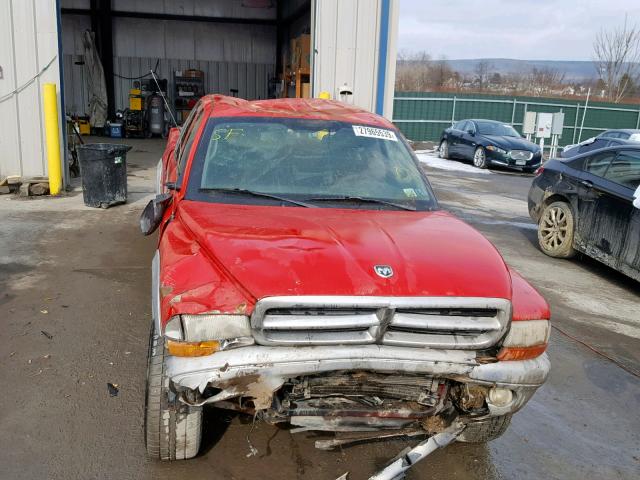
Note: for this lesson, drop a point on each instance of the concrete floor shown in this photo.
(82, 277)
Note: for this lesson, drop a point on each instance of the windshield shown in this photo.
(239, 160)
(498, 129)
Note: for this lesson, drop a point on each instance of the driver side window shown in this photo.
(186, 140)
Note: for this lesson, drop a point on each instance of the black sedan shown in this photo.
(595, 143)
(591, 204)
(487, 142)
(608, 138)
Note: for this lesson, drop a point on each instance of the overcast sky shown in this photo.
(522, 29)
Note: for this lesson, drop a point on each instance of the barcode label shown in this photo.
(372, 132)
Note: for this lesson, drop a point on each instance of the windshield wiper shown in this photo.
(258, 194)
(346, 198)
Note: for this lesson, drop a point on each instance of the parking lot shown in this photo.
(74, 296)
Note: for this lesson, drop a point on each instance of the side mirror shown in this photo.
(471, 132)
(636, 198)
(154, 211)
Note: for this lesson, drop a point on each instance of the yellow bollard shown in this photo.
(52, 132)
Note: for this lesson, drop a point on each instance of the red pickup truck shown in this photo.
(305, 274)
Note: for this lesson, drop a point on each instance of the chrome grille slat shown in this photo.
(319, 322)
(419, 321)
(433, 322)
(318, 337)
(521, 154)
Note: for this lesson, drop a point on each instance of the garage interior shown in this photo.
(252, 49)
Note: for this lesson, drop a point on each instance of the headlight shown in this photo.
(526, 339)
(493, 148)
(198, 335)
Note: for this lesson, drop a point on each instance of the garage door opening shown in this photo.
(252, 49)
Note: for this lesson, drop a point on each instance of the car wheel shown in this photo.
(555, 230)
(443, 150)
(173, 430)
(485, 430)
(480, 158)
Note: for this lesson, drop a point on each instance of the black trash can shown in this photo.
(103, 167)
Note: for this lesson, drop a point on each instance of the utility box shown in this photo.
(557, 124)
(543, 125)
(529, 123)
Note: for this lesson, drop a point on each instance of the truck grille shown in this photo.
(435, 322)
(521, 155)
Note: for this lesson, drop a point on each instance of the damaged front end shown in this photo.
(369, 363)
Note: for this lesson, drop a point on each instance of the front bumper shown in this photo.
(497, 158)
(259, 371)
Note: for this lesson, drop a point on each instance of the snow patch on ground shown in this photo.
(431, 159)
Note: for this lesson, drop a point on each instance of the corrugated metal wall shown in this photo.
(423, 115)
(28, 43)
(347, 40)
(234, 56)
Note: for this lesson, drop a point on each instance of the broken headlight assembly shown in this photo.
(200, 335)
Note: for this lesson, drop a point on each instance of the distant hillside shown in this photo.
(573, 70)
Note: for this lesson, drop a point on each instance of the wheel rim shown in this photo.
(478, 158)
(443, 149)
(554, 228)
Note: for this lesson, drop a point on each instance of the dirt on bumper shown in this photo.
(259, 371)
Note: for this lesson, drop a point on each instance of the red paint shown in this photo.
(526, 302)
(296, 251)
(219, 257)
(312, 108)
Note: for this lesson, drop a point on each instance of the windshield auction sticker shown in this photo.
(372, 132)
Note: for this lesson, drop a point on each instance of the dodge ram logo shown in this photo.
(384, 271)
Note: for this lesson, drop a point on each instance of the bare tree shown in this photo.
(440, 73)
(482, 72)
(617, 54)
(543, 80)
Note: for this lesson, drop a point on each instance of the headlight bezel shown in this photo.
(208, 332)
(493, 148)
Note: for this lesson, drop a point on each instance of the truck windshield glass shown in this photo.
(499, 129)
(322, 163)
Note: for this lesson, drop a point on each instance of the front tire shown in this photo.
(485, 430)
(443, 150)
(556, 230)
(173, 430)
(480, 158)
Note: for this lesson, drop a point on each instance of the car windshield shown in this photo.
(498, 129)
(313, 162)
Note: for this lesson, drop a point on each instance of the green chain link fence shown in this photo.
(422, 116)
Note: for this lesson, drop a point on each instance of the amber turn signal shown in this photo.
(521, 353)
(192, 349)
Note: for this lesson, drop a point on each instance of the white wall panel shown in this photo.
(10, 158)
(346, 36)
(28, 42)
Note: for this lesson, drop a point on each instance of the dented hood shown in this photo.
(274, 251)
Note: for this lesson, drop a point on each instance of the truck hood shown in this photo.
(273, 251)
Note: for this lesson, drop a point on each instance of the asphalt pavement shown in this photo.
(75, 310)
